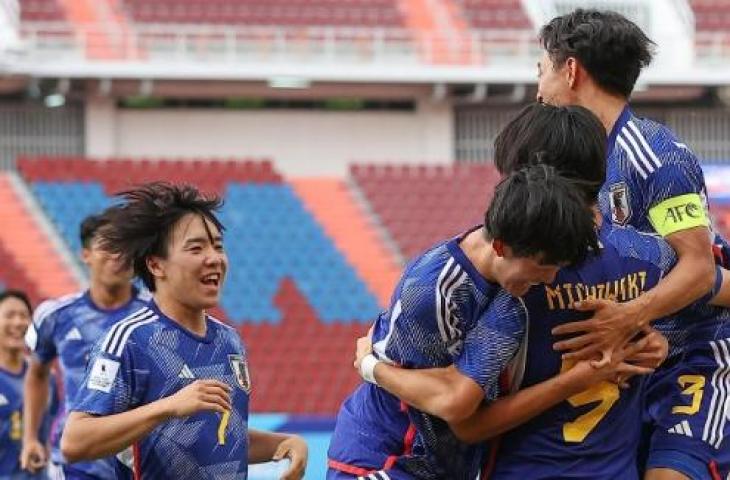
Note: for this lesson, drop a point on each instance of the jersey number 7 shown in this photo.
(605, 393)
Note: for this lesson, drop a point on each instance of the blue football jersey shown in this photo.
(655, 184)
(67, 328)
(147, 357)
(11, 426)
(594, 433)
(434, 320)
(654, 181)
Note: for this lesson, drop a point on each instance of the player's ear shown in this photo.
(498, 246)
(85, 255)
(155, 266)
(572, 70)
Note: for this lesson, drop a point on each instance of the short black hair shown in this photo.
(611, 48)
(535, 211)
(19, 294)
(90, 227)
(142, 224)
(569, 138)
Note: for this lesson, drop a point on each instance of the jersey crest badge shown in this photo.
(240, 370)
(620, 205)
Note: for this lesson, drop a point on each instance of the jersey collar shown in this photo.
(209, 325)
(90, 302)
(622, 120)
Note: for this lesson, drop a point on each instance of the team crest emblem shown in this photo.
(620, 206)
(240, 370)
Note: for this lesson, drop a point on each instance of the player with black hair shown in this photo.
(66, 328)
(655, 184)
(170, 381)
(536, 222)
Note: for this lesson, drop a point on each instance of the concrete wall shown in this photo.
(301, 143)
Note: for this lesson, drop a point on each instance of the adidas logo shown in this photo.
(681, 429)
(3, 400)
(73, 334)
(185, 372)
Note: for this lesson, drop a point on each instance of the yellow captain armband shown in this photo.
(679, 213)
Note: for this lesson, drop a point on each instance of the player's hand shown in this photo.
(617, 370)
(611, 327)
(655, 352)
(201, 395)
(295, 449)
(363, 348)
(33, 456)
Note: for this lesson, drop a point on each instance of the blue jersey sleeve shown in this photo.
(647, 247)
(491, 345)
(39, 336)
(674, 193)
(113, 384)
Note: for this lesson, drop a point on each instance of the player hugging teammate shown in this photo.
(466, 311)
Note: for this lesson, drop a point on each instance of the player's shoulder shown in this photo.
(55, 306)
(138, 326)
(652, 146)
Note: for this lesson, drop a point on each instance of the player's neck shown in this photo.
(480, 253)
(606, 107)
(11, 360)
(109, 298)
(190, 318)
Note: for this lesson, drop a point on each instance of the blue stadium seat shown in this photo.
(68, 203)
(271, 236)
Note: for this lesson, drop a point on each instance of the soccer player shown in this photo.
(574, 141)
(536, 222)
(594, 434)
(653, 183)
(15, 312)
(170, 381)
(66, 328)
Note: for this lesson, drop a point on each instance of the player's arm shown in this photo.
(35, 402)
(722, 298)
(267, 446)
(692, 277)
(88, 437)
(508, 412)
(443, 392)
(40, 341)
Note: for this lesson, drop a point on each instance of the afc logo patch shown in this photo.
(620, 205)
(239, 366)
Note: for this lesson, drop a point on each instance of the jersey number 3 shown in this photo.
(605, 393)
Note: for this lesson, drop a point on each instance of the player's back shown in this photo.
(593, 434)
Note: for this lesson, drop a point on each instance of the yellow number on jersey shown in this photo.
(605, 392)
(696, 389)
(222, 427)
(16, 425)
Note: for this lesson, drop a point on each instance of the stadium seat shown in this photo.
(420, 205)
(380, 13)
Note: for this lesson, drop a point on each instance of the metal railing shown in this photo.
(253, 44)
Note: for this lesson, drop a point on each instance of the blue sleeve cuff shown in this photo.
(715, 288)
